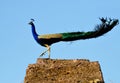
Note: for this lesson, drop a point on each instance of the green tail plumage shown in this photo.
(101, 29)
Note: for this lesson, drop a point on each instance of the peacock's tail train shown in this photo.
(101, 29)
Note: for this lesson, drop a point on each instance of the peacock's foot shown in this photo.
(42, 54)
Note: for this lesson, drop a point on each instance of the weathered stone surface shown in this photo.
(63, 71)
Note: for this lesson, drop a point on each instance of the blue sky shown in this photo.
(18, 48)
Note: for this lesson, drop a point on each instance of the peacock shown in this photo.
(48, 39)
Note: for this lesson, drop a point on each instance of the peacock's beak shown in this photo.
(30, 23)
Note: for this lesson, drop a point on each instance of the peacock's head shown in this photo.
(31, 22)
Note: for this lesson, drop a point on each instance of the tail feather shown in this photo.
(100, 30)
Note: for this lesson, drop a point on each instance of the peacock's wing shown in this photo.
(49, 39)
(50, 36)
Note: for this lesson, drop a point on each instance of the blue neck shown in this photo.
(35, 35)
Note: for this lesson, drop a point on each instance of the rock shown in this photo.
(64, 71)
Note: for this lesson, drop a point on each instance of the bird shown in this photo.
(47, 40)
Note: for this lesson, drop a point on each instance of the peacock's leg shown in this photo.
(48, 49)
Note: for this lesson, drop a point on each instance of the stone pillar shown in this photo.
(64, 71)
